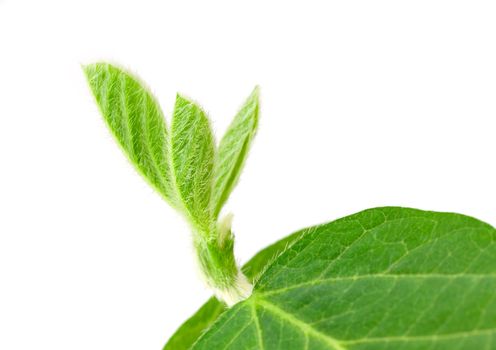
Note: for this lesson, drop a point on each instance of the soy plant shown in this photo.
(385, 278)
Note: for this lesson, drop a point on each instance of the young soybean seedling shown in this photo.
(183, 164)
(384, 278)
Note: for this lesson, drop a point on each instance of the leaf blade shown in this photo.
(385, 278)
(233, 150)
(192, 161)
(135, 120)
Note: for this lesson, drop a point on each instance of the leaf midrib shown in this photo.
(339, 344)
(379, 275)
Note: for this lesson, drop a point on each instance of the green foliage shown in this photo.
(233, 149)
(135, 119)
(386, 278)
(191, 330)
(182, 165)
(192, 149)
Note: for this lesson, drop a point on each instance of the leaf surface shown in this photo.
(192, 151)
(386, 278)
(136, 121)
(233, 150)
(190, 331)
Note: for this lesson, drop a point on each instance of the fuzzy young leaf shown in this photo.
(135, 119)
(233, 150)
(386, 278)
(192, 160)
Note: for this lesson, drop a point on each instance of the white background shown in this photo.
(364, 104)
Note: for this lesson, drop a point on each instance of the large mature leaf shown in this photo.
(387, 278)
(192, 151)
(190, 331)
(233, 149)
(135, 119)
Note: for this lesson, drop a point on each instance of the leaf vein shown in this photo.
(305, 327)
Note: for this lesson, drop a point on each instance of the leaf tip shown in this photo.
(253, 99)
(182, 100)
(87, 68)
(256, 91)
(93, 69)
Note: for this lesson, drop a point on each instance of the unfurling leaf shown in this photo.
(135, 119)
(233, 150)
(192, 152)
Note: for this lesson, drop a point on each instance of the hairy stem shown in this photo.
(218, 265)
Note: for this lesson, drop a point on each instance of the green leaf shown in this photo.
(190, 331)
(135, 119)
(192, 150)
(233, 150)
(386, 278)
(197, 324)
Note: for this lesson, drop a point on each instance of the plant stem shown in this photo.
(216, 259)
